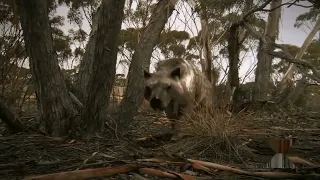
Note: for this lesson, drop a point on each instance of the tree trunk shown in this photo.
(141, 60)
(263, 70)
(85, 67)
(286, 81)
(234, 51)
(206, 45)
(104, 64)
(237, 35)
(55, 105)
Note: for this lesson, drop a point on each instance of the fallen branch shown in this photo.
(86, 174)
(203, 168)
(208, 167)
(156, 172)
(274, 175)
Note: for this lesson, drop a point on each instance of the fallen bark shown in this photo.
(209, 167)
(157, 172)
(86, 174)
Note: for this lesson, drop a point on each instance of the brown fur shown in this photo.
(177, 87)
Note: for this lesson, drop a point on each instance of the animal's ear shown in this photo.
(176, 73)
(146, 74)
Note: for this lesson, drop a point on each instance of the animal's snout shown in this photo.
(156, 104)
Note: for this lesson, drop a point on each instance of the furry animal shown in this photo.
(177, 87)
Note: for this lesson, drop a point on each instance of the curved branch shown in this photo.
(291, 59)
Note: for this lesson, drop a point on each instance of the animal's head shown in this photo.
(162, 87)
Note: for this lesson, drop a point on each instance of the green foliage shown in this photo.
(216, 8)
(283, 65)
(171, 42)
(78, 35)
(312, 15)
(173, 37)
(311, 55)
(80, 9)
(140, 15)
(178, 50)
(57, 21)
(193, 42)
(129, 38)
(78, 52)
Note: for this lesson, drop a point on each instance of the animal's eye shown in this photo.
(169, 87)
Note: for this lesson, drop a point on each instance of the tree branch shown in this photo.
(291, 59)
(284, 55)
(270, 10)
(259, 8)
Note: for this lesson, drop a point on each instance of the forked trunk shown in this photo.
(55, 105)
(85, 67)
(104, 64)
(141, 60)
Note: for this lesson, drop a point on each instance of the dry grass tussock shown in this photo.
(216, 123)
(211, 132)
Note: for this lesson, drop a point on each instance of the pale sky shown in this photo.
(288, 33)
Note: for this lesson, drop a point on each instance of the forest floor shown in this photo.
(30, 154)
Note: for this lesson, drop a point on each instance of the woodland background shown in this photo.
(219, 46)
(67, 78)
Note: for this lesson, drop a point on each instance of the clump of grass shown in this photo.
(217, 123)
(211, 132)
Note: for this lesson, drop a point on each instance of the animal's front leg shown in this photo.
(177, 134)
(171, 111)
